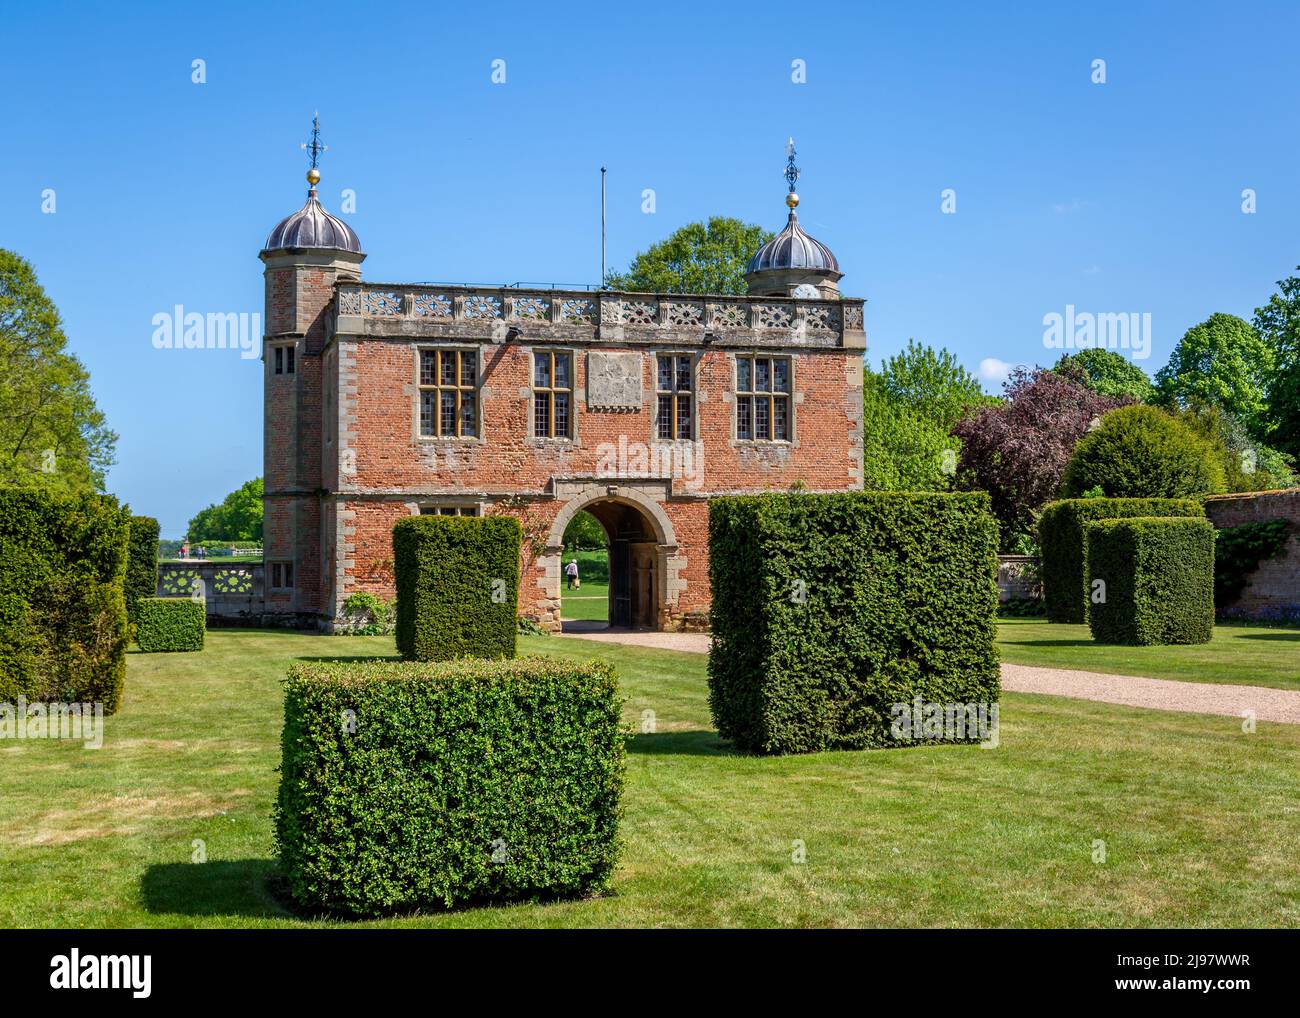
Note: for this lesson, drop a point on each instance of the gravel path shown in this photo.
(1281, 705)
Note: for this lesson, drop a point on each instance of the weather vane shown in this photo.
(791, 170)
(315, 148)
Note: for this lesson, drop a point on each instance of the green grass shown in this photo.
(590, 602)
(1201, 822)
(1240, 654)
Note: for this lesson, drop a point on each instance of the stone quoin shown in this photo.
(384, 400)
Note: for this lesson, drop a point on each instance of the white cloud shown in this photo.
(994, 371)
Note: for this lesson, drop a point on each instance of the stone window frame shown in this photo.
(656, 392)
(441, 507)
(533, 390)
(420, 389)
(277, 572)
(284, 359)
(737, 393)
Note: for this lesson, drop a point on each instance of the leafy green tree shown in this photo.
(1110, 374)
(1222, 361)
(1143, 452)
(584, 532)
(237, 518)
(1278, 322)
(698, 258)
(932, 383)
(1248, 465)
(901, 449)
(52, 433)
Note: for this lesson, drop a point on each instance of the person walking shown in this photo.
(571, 571)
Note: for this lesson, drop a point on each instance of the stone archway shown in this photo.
(645, 565)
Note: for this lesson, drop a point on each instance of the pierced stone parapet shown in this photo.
(594, 316)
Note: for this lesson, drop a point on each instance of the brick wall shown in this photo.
(391, 469)
(1273, 591)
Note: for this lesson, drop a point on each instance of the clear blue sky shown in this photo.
(1117, 197)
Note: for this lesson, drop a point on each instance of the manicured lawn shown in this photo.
(590, 602)
(1240, 654)
(1201, 822)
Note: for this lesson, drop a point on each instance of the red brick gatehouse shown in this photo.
(385, 400)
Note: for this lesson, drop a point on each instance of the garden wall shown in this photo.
(1274, 589)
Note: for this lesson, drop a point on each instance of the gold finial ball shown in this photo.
(792, 199)
(313, 176)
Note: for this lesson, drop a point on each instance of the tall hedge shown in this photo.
(829, 610)
(411, 785)
(457, 586)
(1061, 538)
(141, 564)
(63, 629)
(1156, 580)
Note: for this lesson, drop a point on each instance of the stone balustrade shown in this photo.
(593, 316)
(233, 590)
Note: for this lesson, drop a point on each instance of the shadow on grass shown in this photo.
(241, 887)
(697, 743)
(1291, 637)
(1049, 643)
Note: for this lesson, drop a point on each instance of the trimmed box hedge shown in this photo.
(829, 610)
(141, 564)
(171, 623)
(409, 785)
(457, 586)
(1062, 541)
(63, 628)
(1159, 580)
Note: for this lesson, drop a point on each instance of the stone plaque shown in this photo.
(613, 381)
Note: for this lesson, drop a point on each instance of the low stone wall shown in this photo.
(233, 590)
(1018, 578)
(1273, 590)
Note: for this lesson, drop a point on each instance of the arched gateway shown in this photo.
(645, 580)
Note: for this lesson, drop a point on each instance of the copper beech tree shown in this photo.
(1017, 450)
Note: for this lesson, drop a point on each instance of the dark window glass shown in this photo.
(665, 373)
(780, 376)
(665, 422)
(428, 409)
(542, 414)
(469, 414)
(683, 374)
(279, 360)
(762, 368)
(762, 425)
(742, 375)
(449, 402)
(684, 416)
(780, 419)
(562, 413)
(448, 422)
(288, 360)
(744, 416)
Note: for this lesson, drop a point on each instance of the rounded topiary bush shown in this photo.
(1142, 452)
